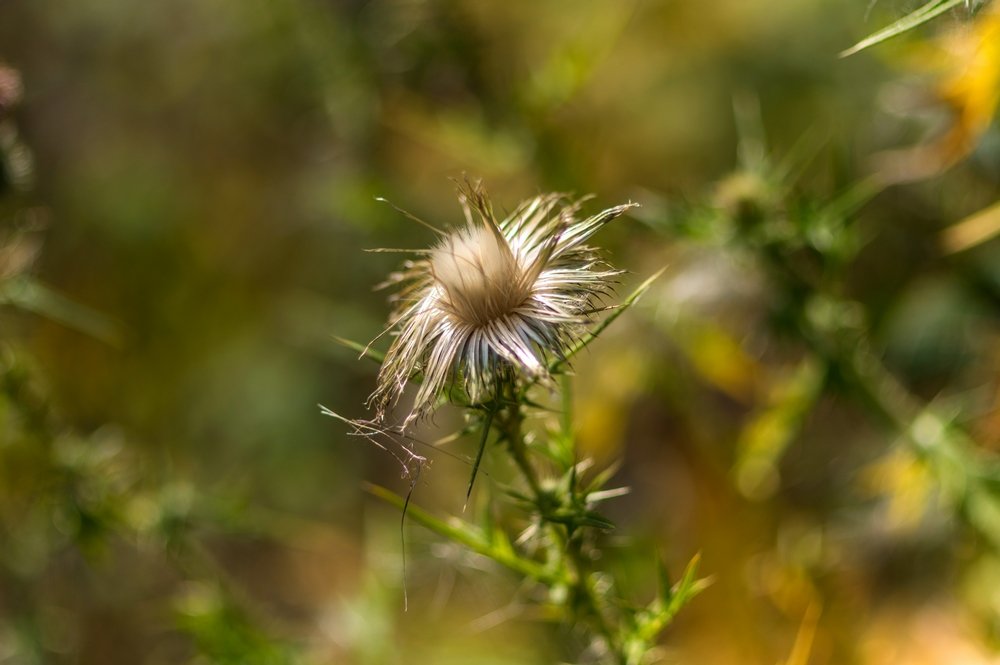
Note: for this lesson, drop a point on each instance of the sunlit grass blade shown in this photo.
(34, 296)
(803, 647)
(767, 433)
(806, 149)
(972, 231)
(931, 10)
(855, 198)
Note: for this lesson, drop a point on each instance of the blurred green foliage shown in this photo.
(809, 396)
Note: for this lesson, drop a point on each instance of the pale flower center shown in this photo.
(479, 274)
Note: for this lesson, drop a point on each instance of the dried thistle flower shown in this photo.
(493, 299)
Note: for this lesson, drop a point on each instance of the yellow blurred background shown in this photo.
(187, 193)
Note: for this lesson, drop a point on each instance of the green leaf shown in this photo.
(579, 518)
(593, 519)
(593, 334)
(33, 296)
(671, 599)
(363, 350)
(603, 477)
(931, 10)
(471, 537)
(487, 423)
(689, 586)
(666, 586)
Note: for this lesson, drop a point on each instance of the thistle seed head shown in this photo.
(493, 299)
(478, 274)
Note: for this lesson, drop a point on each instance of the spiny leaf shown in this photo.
(593, 334)
(596, 520)
(671, 599)
(363, 350)
(556, 450)
(601, 478)
(516, 495)
(689, 586)
(580, 518)
(931, 10)
(666, 587)
(487, 423)
(604, 495)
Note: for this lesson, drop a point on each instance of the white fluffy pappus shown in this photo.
(493, 299)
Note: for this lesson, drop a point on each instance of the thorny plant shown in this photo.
(806, 250)
(488, 320)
